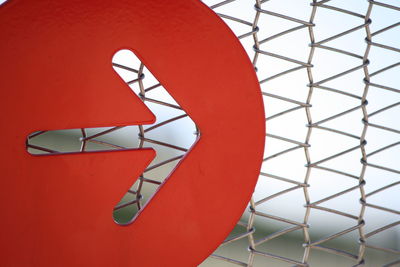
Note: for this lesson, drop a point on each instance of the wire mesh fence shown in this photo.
(323, 59)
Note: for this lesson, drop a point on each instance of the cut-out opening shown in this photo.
(172, 135)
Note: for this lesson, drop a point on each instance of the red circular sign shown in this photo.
(56, 74)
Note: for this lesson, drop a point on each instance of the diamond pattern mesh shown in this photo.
(329, 85)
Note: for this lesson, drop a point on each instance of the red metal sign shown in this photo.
(56, 74)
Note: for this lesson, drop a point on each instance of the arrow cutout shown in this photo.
(168, 155)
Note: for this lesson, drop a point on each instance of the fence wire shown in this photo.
(261, 49)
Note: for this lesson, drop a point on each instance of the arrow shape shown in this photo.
(168, 154)
(56, 209)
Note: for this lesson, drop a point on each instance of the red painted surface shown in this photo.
(56, 73)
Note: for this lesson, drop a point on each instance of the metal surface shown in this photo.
(57, 208)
